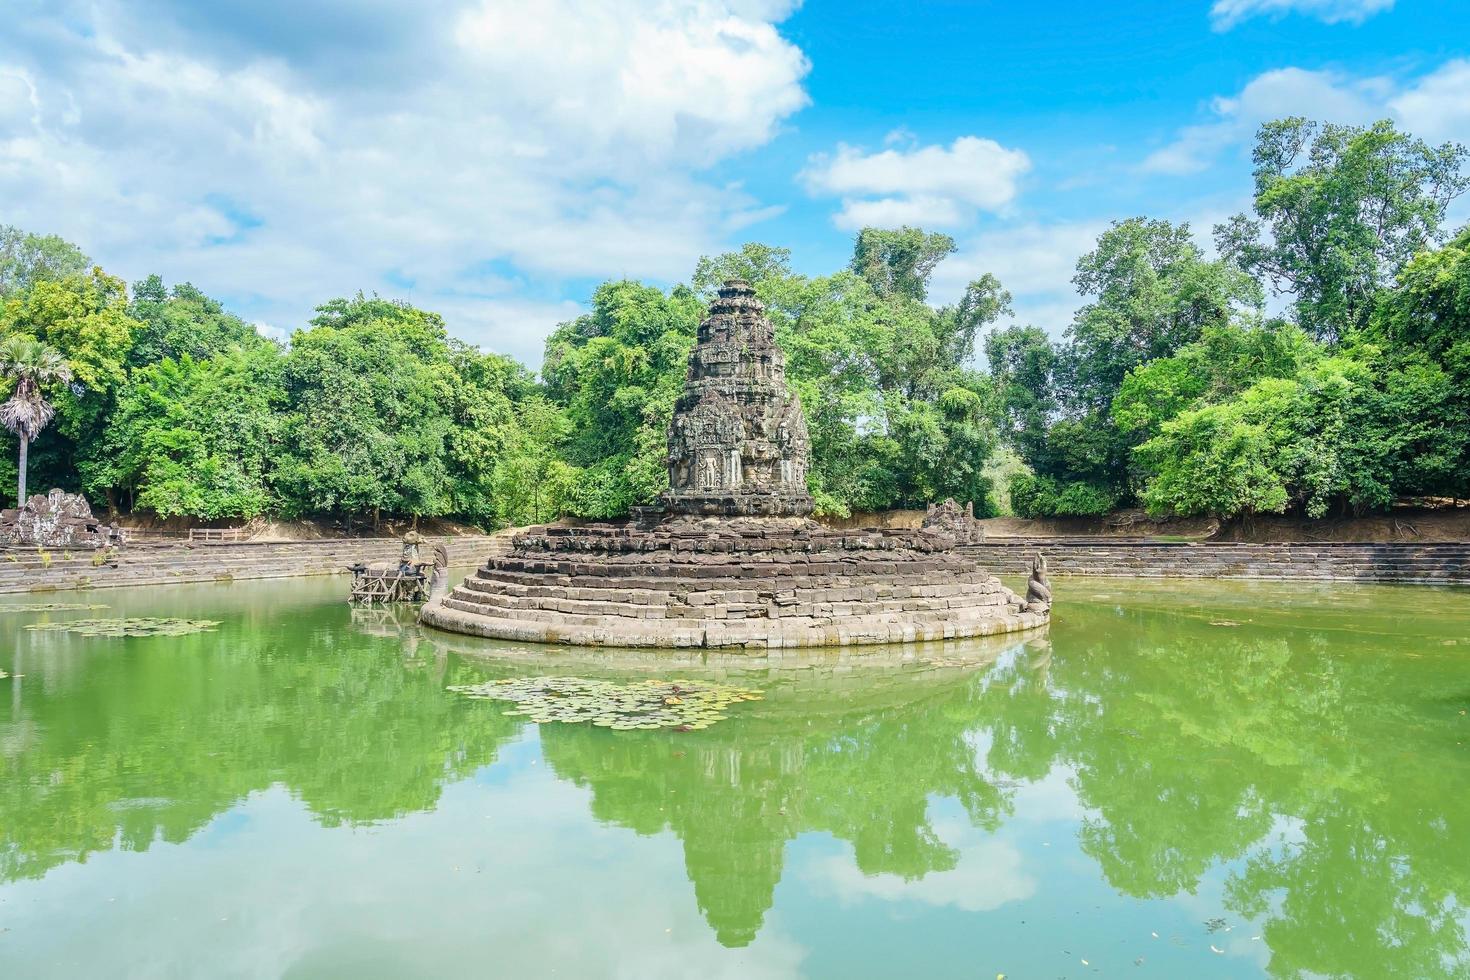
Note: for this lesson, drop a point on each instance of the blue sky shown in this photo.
(496, 160)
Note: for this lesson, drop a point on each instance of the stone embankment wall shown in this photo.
(152, 563)
(163, 562)
(1428, 563)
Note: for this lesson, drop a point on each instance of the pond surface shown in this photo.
(1180, 780)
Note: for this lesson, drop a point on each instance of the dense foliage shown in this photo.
(1174, 389)
(1171, 387)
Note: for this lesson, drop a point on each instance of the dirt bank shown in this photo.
(1404, 524)
(269, 529)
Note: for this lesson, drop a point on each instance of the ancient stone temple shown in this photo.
(728, 556)
(738, 445)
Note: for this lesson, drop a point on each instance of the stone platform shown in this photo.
(756, 582)
(728, 557)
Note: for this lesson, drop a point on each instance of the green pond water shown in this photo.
(1177, 780)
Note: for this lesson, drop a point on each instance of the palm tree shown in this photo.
(32, 364)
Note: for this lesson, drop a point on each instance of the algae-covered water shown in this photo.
(1179, 780)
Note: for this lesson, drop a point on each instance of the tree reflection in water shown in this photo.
(1323, 769)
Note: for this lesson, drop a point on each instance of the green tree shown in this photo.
(368, 391)
(1222, 363)
(1153, 292)
(183, 321)
(32, 364)
(1429, 308)
(26, 258)
(532, 482)
(1023, 364)
(1347, 431)
(1339, 210)
(195, 438)
(616, 371)
(84, 317)
(898, 262)
(486, 432)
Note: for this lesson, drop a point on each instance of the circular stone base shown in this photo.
(730, 582)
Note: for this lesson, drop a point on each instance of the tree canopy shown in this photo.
(1171, 387)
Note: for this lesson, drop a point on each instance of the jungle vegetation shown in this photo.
(1174, 386)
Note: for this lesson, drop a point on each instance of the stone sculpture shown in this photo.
(56, 520)
(408, 558)
(1038, 589)
(439, 577)
(956, 521)
(728, 557)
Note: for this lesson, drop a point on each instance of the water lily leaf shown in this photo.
(34, 607)
(138, 626)
(648, 705)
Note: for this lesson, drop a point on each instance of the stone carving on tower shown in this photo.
(738, 442)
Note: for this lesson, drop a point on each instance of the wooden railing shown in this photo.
(216, 534)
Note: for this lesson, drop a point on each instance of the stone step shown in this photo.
(178, 562)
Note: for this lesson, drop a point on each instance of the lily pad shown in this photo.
(683, 705)
(35, 607)
(138, 626)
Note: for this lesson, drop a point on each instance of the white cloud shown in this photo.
(270, 331)
(933, 185)
(1438, 107)
(517, 142)
(989, 873)
(686, 80)
(1034, 261)
(1027, 259)
(1435, 106)
(1225, 14)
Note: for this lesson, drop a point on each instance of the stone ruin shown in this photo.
(56, 520)
(738, 444)
(728, 556)
(956, 521)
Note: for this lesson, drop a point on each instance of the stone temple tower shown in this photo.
(738, 443)
(729, 558)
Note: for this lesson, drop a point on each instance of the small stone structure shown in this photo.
(56, 520)
(956, 521)
(728, 557)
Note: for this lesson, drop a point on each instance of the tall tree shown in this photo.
(32, 364)
(898, 262)
(195, 438)
(616, 371)
(1152, 292)
(85, 318)
(1339, 211)
(1023, 363)
(27, 258)
(369, 390)
(183, 321)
